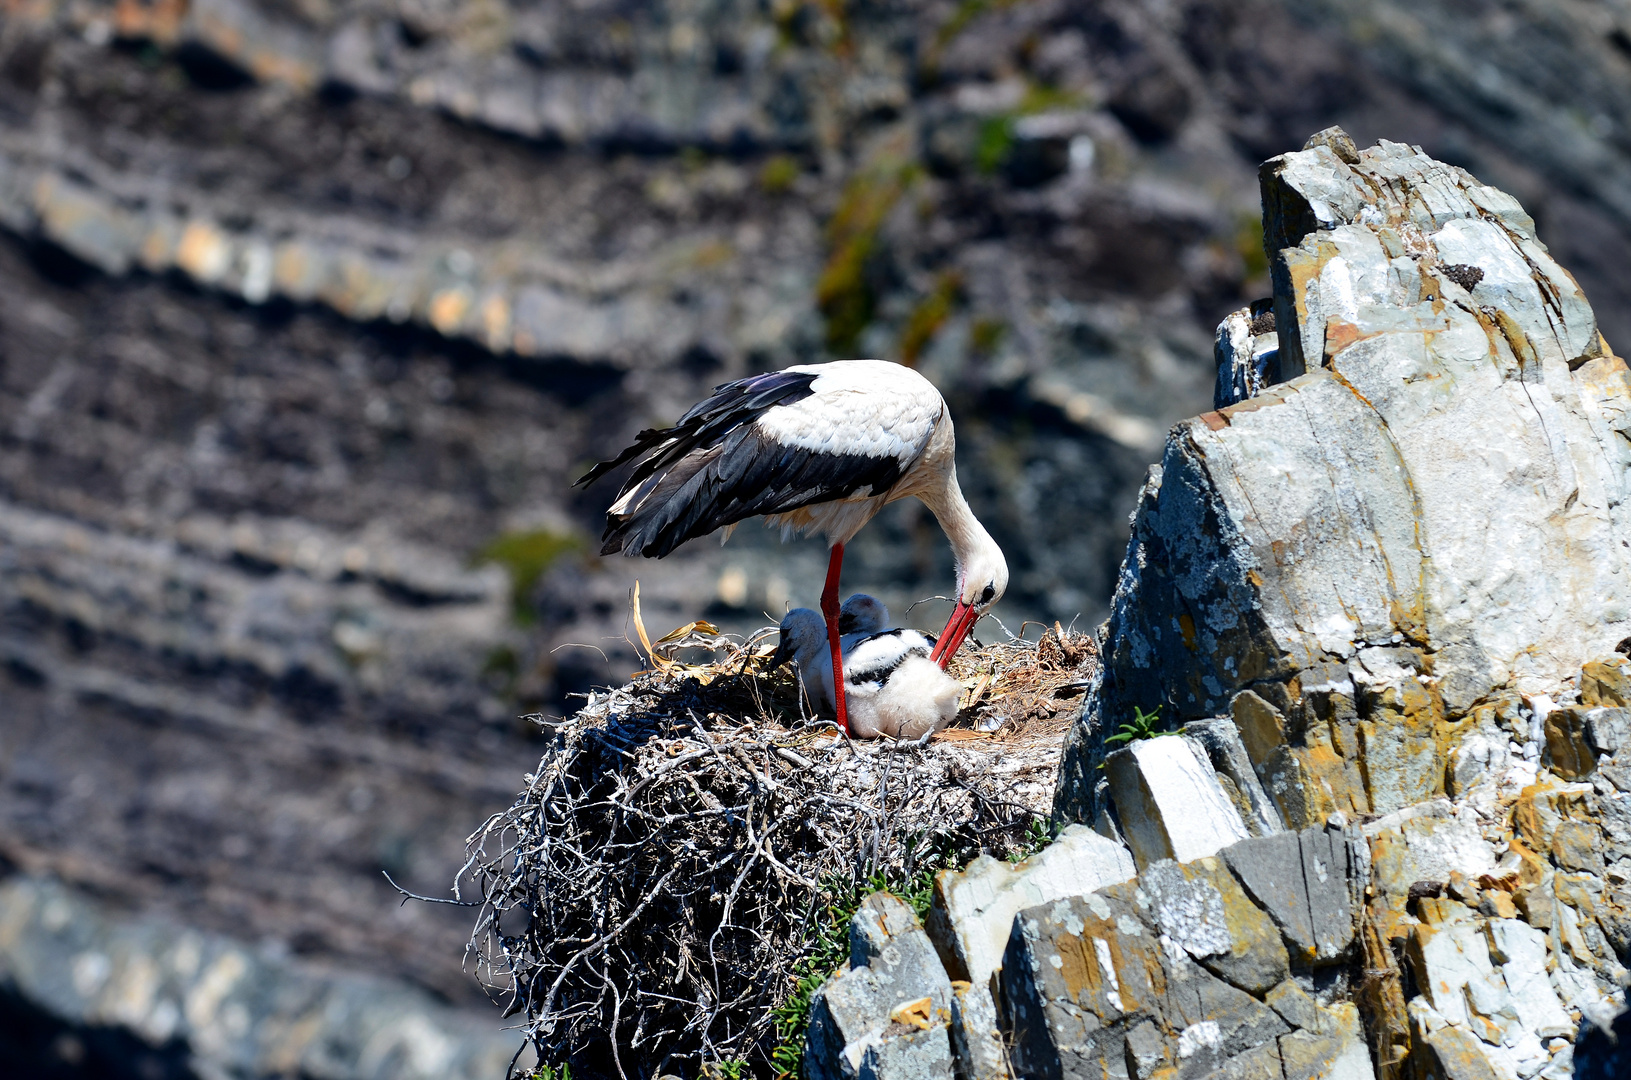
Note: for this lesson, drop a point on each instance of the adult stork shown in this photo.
(812, 448)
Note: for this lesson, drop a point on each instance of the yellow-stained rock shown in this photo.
(1578, 846)
(1505, 712)
(1436, 910)
(1335, 1048)
(1327, 785)
(1531, 867)
(1460, 1056)
(1400, 756)
(203, 251)
(448, 308)
(1380, 994)
(1262, 728)
(1535, 902)
(1542, 806)
(1257, 959)
(1606, 682)
(1567, 752)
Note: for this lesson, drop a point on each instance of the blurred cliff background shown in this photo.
(311, 312)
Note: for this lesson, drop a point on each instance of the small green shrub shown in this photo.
(526, 555)
(779, 174)
(1037, 837)
(927, 318)
(995, 139)
(986, 334)
(1141, 726)
(843, 293)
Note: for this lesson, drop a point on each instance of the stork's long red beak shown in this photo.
(957, 628)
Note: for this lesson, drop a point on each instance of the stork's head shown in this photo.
(804, 641)
(804, 635)
(981, 581)
(862, 614)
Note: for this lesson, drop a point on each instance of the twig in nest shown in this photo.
(406, 895)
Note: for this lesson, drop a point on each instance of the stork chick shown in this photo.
(861, 616)
(893, 686)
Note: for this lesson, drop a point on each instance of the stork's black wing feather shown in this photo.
(730, 405)
(716, 467)
(747, 475)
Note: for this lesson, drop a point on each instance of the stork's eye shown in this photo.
(990, 591)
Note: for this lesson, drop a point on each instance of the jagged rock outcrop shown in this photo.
(889, 1012)
(1465, 937)
(1387, 600)
(1433, 515)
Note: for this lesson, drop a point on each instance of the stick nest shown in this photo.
(646, 899)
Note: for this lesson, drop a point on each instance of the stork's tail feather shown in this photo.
(642, 442)
(731, 404)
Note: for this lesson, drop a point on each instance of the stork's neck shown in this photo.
(970, 543)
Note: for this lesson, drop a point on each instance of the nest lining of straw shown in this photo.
(646, 897)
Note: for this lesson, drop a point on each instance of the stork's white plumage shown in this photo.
(892, 686)
(814, 448)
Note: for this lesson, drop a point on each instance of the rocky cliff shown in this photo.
(314, 310)
(1382, 593)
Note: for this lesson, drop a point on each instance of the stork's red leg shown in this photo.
(829, 608)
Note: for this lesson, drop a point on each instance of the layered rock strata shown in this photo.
(203, 1005)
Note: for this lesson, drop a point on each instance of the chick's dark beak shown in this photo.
(783, 653)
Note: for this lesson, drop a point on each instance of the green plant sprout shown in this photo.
(1142, 726)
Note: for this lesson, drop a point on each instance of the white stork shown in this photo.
(813, 448)
(892, 686)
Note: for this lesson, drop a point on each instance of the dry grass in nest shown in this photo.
(691, 838)
(1026, 688)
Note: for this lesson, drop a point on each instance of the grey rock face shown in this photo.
(886, 1017)
(233, 1011)
(973, 917)
(1220, 738)
(1608, 729)
(1304, 881)
(974, 909)
(1317, 562)
(978, 1047)
(1148, 976)
(1169, 802)
(1342, 519)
